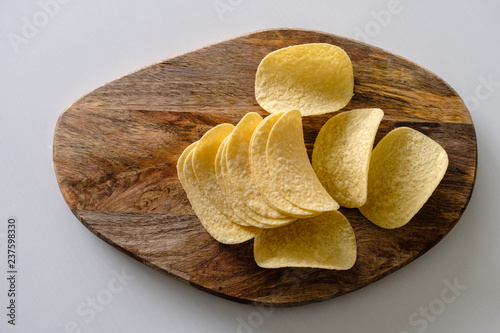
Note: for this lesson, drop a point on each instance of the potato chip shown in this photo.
(314, 78)
(221, 173)
(215, 223)
(324, 241)
(218, 166)
(204, 169)
(239, 180)
(290, 168)
(405, 168)
(260, 171)
(341, 154)
(181, 160)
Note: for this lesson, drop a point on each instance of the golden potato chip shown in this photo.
(239, 180)
(260, 171)
(182, 159)
(214, 222)
(290, 168)
(222, 175)
(405, 168)
(324, 241)
(314, 78)
(218, 166)
(341, 154)
(204, 169)
(245, 219)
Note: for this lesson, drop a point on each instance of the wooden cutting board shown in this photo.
(115, 152)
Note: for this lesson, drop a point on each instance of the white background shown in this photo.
(80, 45)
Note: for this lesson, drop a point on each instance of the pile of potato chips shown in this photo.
(255, 180)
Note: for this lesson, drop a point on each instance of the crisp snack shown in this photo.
(222, 175)
(314, 78)
(260, 170)
(216, 223)
(204, 169)
(405, 168)
(255, 180)
(238, 178)
(218, 167)
(290, 169)
(341, 154)
(324, 241)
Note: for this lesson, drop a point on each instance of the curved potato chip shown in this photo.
(244, 213)
(314, 78)
(242, 189)
(181, 160)
(222, 174)
(214, 222)
(341, 154)
(260, 170)
(204, 168)
(405, 168)
(290, 169)
(218, 166)
(324, 241)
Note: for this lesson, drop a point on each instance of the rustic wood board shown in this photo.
(115, 152)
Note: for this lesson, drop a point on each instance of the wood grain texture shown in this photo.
(115, 152)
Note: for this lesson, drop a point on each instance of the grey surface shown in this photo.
(67, 278)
